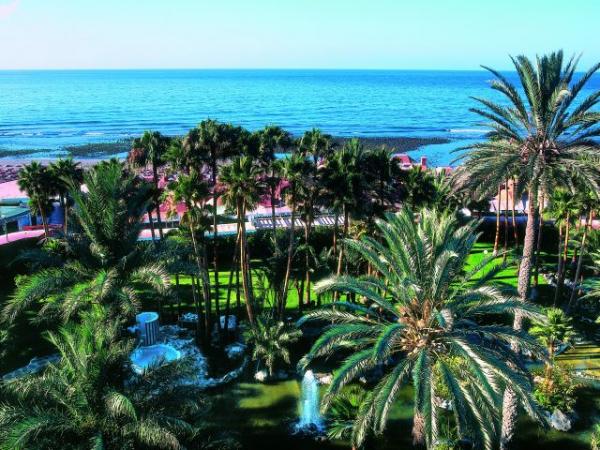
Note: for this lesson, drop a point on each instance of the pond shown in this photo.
(261, 416)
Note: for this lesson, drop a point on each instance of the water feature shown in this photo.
(310, 417)
(148, 356)
(147, 325)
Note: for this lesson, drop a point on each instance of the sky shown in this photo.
(334, 34)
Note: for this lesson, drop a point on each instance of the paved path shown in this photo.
(18, 235)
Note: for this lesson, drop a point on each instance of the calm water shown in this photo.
(52, 109)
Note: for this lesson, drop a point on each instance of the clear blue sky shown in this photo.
(405, 34)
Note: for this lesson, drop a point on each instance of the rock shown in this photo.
(261, 376)
(324, 378)
(560, 421)
(235, 351)
(231, 322)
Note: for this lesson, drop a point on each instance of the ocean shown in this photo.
(49, 110)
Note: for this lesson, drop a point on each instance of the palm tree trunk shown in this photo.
(201, 275)
(509, 418)
(63, 204)
(307, 226)
(580, 260)
(157, 202)
(514, 220)
(335, 231)
(244, 264)
(290, 256)
(44, 221)
(178, 294)
(497, 237)
(505, 250)
(273, 225)
(524, 277)
(233, 268)
(559, 268)
(539, 242)
(215, 230)
(509, 401)
(344, 234)
(561, 274)
(150, 221)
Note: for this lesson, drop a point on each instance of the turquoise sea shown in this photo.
(52, 109)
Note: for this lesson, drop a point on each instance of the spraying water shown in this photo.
(309, 404)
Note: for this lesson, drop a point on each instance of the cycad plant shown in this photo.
(103, 261)
(271, 340)
(420, 309)
(91, 399)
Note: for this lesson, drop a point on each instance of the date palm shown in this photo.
(91, 399)
(244, 187)
(103, 261)
(422, 307)
(35, 180)
(151, 149)
(543, 137)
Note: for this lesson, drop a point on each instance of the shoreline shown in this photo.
(93, 152)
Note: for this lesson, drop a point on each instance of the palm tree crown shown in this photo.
(421, 310)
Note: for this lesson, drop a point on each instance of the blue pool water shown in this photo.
(144, 357)
(53, 109)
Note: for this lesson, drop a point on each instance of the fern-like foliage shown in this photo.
(421, 310)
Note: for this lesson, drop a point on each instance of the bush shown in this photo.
(556, 391)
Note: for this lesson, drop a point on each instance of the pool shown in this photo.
(144, 357)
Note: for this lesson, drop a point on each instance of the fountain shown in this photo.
(310, 417)
(149, 353)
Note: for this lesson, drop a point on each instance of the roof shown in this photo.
(12, 213)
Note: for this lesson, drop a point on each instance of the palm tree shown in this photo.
(194, 192)
(151, 149)
(270, 340)
(421, 308)
(543, 139)
(90, 398)
(35, 180)
(65, 173)
(272, 139)
(562, 208)
(555, 330)
(244, 188)
(295, 168)
(345, 182)
(345, 408)
(103, 260)
(211, 143)
(315, 146)
(379, 173)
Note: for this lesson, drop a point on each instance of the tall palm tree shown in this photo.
(65, 173)
(103, 260)
(380, 172)
(194, 192)
(244, 188)
(210, 144)
(35, 180)
(422, 308)
(151, 149)
(90, 398)
(542, 138)
(272, 139)
(563, 209)
(344, 177)
(315, 146)
(294, 171)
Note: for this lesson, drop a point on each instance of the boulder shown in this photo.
(560, 421)
(261, 376)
